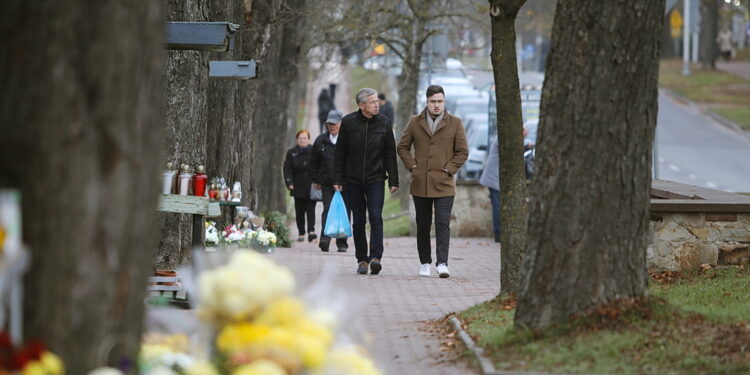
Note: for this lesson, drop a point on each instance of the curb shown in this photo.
(719, 119)
(485, 363)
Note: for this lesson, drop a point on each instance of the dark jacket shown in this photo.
(365, 151)
(297, 171)
(322, 160)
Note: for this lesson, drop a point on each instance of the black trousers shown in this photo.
(423, 207)
(327, 198)
(304, 207)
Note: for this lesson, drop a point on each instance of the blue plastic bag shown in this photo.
(337, 222)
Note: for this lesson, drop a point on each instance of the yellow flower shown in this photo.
(202, 368)
(34, 368)
(237, 336)
(349, 360)
(52, 364)
(260, 367)
(283, 311)
(152, 352)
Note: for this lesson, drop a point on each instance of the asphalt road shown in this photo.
(694, 149)
(691, 147)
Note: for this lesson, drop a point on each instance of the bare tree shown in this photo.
(588, 225)
(513, 209)
(82, 124)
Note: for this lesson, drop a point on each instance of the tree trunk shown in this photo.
(230, 106)
(407, 102)
(274, 129)
(82, 123)
(589, 221)
(709, 31)
(210, 122)
(513, 210)
(186, 74)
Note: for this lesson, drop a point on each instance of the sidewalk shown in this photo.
(738, 68)
(397, 302)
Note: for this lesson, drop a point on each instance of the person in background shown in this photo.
(385, 107)
(365, 157)
(725, 43)
(298, 182)
(325, 105)
(491, 179)
(321, 168)
(440, 149)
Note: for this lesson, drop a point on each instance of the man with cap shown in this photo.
(321, 164)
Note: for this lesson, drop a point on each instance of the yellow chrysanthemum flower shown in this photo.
(260, 367)
(34, 368)
(283, 311)
(349, 360)
(202, 368)
(52, 364)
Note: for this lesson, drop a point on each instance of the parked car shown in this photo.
(470, 105)
(477, 137)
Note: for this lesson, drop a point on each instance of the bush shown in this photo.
(276, 223)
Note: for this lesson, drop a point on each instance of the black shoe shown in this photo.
(312, 236)
(301, 239)
(342, 249)
(375, 266)
(323, 245)
(362, 268)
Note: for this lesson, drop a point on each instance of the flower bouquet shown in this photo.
(259, 240)
(30, 359)
(262, 328)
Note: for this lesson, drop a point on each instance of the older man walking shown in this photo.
(440, 148)
(321, 165)
(365, 157)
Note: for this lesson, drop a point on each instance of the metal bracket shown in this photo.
(232, 69)
(201, 36)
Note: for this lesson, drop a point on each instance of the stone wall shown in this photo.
(682, 241)
(472, 212)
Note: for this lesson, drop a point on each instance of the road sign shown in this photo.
(675, 23)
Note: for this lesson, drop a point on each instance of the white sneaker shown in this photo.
(442, 270)
(424, 270)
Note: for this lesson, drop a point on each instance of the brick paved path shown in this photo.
(395, 303)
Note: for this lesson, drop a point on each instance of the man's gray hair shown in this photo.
(364, 93)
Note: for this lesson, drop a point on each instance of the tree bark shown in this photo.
(513, 210)
(274, 130)
(81, 119)
(211, 122)
(407, 102)
(186, 74)
(708, 51)
(589, 213)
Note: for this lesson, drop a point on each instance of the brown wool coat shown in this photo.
(434, 154)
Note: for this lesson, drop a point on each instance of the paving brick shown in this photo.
(394, 304)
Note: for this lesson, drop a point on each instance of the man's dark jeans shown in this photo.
(423, 208)
(328, 192)
(367, 200)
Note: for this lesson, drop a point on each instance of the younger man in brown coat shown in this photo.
(440, 148)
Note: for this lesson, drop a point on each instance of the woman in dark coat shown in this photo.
(298, 181)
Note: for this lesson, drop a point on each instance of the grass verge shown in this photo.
(723, 93)
(692, 324)
(399, 226)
